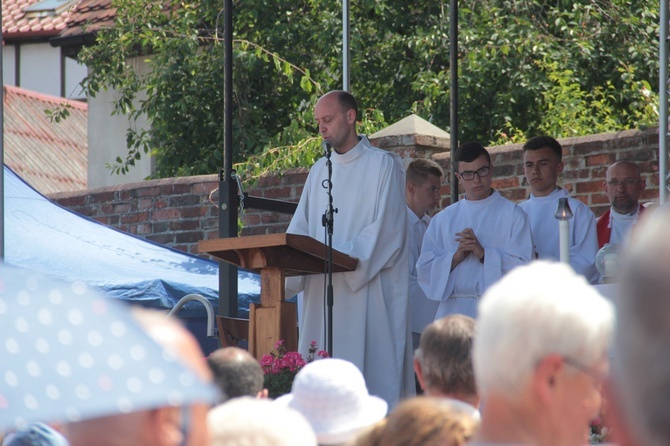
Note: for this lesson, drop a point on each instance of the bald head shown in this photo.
(623, 186)
(335, 113)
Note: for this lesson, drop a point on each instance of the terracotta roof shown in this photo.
(88, 16)
(51, 157)
(19, 23)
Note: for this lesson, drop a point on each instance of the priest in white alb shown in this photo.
(543, 162)
(474, 242)
(370, 311)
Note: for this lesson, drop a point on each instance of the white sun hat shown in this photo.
(332, 395)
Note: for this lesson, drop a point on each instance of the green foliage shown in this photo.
(525, 67)
(297, 145)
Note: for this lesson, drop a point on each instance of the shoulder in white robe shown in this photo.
(370, 311)
(583, 234)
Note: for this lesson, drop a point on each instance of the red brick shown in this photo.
(602, 159)
(165, 214)
(589, 186)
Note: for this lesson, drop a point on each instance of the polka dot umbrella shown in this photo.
(68, 353)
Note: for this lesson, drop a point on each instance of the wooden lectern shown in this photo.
(275, 256)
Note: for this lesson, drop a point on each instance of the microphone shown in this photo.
(327, 147)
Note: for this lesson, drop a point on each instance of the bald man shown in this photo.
(623, 186)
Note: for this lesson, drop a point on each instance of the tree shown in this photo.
(525, 67)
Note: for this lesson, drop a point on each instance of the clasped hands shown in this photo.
(467, 244)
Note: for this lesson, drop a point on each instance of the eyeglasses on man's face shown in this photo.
(597, 376)
(470, 174)
(628, 182)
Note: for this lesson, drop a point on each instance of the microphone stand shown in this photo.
(327, 222)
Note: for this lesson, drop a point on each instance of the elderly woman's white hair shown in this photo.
(537, 310)
(250, 421)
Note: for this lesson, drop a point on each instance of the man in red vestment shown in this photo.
(623, 186)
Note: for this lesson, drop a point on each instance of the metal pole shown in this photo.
(663, 106)
(453, 96)
(346, 37)
(228, 200)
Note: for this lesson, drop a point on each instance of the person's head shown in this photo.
(237, 373)
(443, 361)
(640, 364)
(422, 185)
(175, 338)
(542, 339)
(335, 113)
(623, 186)
(259, 422)
(170, 425)
(474, 170)
(421, 421)
(332, 395)
(542, 163)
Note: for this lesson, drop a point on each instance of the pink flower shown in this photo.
(323, 354)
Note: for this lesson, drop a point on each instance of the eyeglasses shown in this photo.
(597, 376)
(481, 172)
(626, 183)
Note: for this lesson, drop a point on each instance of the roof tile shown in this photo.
(51, 157)
(14, 19)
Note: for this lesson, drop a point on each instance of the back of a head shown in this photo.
(641, 365)
(236, 372)
(421, 421)
(470, 151)
(534, 311)
(540, 142)
(445, 355)
(258, 422)
(418, 170)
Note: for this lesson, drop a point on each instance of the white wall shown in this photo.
(74, 73)
(107, 141)
(8, 65)
(40, 68)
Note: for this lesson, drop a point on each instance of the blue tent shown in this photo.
(43, 236)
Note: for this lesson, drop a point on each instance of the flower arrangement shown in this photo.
(599, 431)
(280, 367)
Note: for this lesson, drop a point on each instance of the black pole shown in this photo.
(328, 222)
(228, 199)
(453, 96)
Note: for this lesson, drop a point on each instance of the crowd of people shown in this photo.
(458, 329)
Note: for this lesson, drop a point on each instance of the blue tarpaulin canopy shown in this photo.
(43, 236)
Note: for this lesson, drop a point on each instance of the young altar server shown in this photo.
(542, 163)
(473, 242)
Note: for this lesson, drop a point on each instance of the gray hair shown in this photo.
(537, 310)
(641, 364)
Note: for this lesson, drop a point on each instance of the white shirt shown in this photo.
(422, 309)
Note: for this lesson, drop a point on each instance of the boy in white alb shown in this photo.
(422, 193)
(474, 242)
(542, 163)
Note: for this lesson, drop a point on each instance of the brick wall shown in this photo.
(178, 212)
